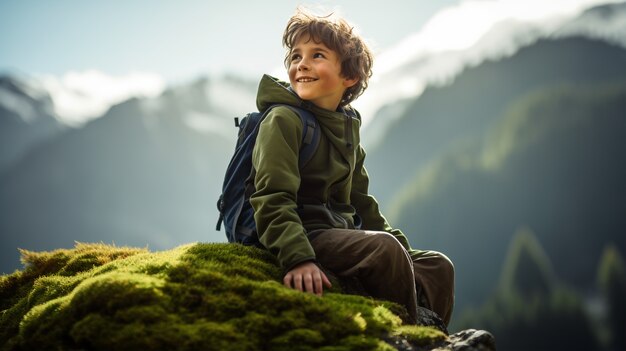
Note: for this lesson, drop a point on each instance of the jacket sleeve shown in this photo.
(277, 180)
(366, 205)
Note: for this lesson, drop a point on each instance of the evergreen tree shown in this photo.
(612, 281)
(527, 269)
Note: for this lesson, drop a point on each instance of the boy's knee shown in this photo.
(439, 263)
(387, 242)
(388, 249)
(446, 266)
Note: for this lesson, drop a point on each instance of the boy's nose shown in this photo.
(303, 65)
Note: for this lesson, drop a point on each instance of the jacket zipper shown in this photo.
(348, 133)
(337, 216)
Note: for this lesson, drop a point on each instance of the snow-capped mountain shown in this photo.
(33, 109)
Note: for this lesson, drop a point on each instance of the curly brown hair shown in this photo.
(338, 35)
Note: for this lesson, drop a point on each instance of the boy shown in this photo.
(322, 215)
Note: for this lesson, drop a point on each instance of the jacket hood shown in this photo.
(274, 91)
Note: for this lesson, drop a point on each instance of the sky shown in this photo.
(178, 40)
(90, 55)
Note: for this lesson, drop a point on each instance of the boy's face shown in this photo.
(315, 74)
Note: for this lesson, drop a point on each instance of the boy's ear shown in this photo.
(349, 82)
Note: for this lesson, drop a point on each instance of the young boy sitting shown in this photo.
(322, 215)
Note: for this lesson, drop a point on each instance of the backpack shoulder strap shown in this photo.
(310, 135)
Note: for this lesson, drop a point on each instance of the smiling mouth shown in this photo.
(305, 80)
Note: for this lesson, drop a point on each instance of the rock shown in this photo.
(469, 340)
(466, 340)
(428, 318)
(400, 343)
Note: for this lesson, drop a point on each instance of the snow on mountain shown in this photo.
(26, 117)
(470, 33)
(210, 104)
(25, 98)
(603, 22)
(81, 96)
(228, 97)
(78, 97)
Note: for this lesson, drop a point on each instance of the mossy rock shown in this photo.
(194, 297)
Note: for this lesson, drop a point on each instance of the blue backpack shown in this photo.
(234, 206)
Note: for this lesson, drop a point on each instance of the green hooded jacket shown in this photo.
(331, 191)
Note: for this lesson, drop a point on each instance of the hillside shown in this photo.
(468, 107)
(553, 163)
(194, 297)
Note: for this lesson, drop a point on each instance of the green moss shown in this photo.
(83, 257)
(199, 296)
(421, 336)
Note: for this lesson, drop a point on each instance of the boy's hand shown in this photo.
(307, 276)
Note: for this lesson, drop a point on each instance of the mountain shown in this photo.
(466, 109)
(553, 163)
(145, 173)
(27, 118)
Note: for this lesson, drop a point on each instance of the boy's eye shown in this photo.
(318, 55)
(295, 57)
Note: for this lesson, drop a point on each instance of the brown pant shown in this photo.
(386, 270)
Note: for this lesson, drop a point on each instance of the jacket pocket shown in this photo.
(322, 214)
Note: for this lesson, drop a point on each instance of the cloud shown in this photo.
(461, 26)
(81, 96)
